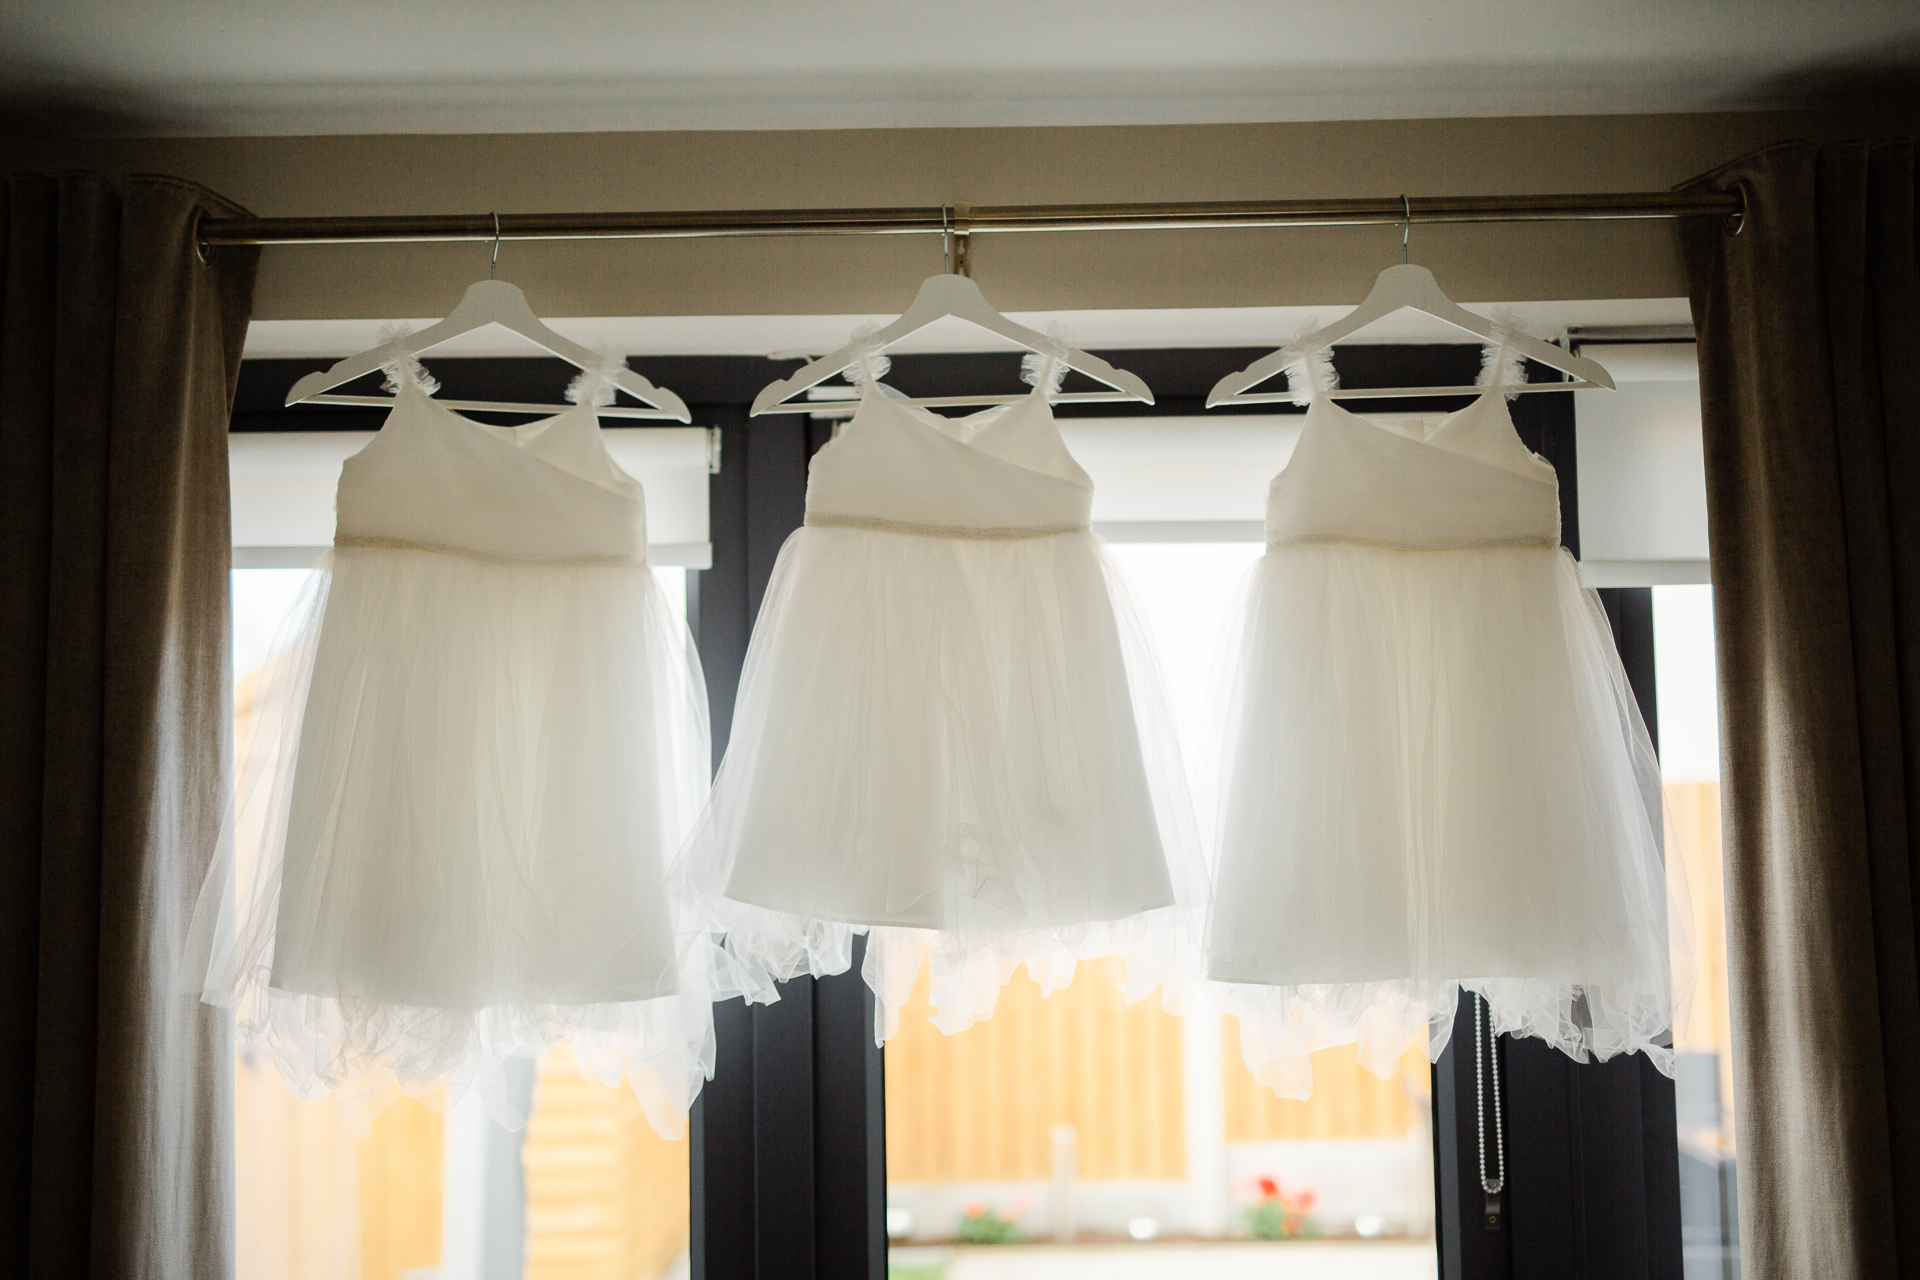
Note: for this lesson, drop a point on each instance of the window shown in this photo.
(1703, 1085)
(1137, 1136)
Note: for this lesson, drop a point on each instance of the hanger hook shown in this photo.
(1406, 227)
(494, 265)
(961, 239)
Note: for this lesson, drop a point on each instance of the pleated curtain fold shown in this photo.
(1809, 333)
(119, 355)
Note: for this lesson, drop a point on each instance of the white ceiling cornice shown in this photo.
(280, 67)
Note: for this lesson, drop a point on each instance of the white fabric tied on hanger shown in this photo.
(870, 360)
(1312, 372)
(406, 367)
(597, 383)
(1502, 363)
(1047, 367)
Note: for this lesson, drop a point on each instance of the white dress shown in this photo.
(949, 732)
(466, 778)
(1436, 777)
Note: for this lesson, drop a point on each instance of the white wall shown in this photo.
(475, 173)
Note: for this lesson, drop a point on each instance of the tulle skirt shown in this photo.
(1436, 778)
(461, 785)
(958, 747)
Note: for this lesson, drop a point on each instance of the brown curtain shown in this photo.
(119, 352)
(1809, 355)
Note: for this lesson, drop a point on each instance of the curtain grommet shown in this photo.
(1736, 222)
(201, 249)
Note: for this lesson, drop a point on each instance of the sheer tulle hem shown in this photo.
(1281, 1026)
(366, 1055)
(966, 972)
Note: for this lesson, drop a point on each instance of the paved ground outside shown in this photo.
(1301, 1260)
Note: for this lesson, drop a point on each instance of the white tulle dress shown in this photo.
(949, 733)
(1436, 777)
(463, 782)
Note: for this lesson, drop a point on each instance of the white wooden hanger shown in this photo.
(953, 295)
(488, 302)
(1398, 287)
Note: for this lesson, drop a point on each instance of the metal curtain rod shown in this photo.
(964, 219)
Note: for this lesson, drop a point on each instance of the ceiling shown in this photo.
(276, 67)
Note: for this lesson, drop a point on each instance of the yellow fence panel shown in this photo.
(1348, 1100)
(401, 1163)
(982, 1104)
(606, 1195)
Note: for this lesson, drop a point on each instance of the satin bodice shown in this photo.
(1004, 472)
(545, 491)
(1469, 482)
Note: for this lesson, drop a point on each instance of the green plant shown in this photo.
(1275, 1213)
(982, 1224)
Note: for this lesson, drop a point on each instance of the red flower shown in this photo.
(1268, 1187)
(974, 1209)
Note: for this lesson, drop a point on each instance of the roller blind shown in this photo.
(1642, 471)
(1185, 479)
